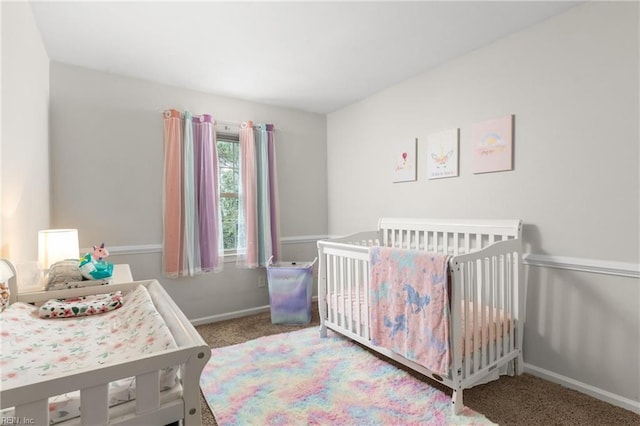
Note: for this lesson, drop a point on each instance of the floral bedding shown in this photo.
(32, 348)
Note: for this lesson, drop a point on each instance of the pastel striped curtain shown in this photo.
(258, 218)
(192, 235)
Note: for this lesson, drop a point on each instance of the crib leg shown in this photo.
(323, 330)
(519, 364)
(456, 402)
(322, 310)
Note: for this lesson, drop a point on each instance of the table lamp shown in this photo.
(55, 245)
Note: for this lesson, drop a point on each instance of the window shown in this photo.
(228, 169)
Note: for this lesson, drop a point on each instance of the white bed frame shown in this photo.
(191, 354)
(485, 268)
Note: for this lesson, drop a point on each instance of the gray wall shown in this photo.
(572, 83)
(24, 152)
(107, 168)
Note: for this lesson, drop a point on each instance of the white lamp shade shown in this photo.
(55, 245)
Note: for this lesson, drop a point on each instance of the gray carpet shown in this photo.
(521, 400)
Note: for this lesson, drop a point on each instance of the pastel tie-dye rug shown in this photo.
(299, 378)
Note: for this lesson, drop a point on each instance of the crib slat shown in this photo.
(500, 306)
(366, 267)
(328, 275)
(468, 299)
(333, 290)
(349, 276)
(94, 403)
(358, 268)
(476, 316)
(492, 304)
(506, 316)
(513, 295)
(482, 303)
(510, 298)
(445, 243)
(342, 309)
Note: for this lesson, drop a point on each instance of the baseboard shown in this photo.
(230, 315)
(236, 314)
(593, 391)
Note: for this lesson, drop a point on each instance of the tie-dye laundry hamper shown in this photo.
(290, 291)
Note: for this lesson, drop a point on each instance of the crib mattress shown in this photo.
(33, 348)
(500, 322)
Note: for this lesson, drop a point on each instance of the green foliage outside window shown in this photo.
(228, 166)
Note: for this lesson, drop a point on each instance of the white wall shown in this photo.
(107, 167)
(24, 162)
(572, 83)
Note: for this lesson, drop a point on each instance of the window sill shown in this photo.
(230, 257)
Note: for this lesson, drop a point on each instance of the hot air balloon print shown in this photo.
(404, 162)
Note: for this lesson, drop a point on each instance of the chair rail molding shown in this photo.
(596, 266)
(157, 248)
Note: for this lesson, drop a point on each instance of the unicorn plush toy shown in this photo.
(99, 253)
(93, 266)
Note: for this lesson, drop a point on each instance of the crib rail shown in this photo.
(486, 313)
(345, 278)
(451, 237)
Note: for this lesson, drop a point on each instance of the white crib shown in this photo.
(485, 277)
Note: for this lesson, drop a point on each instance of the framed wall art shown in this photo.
(404, 161)
(492, 145)
(442, 154)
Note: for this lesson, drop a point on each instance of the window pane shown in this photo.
(229, 221)
(228, 180)
(228, 163)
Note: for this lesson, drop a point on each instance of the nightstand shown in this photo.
(121, 274)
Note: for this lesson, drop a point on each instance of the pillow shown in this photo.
(62, 272)
(81, 306)
(4, 295)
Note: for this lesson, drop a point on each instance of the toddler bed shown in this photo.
(442, 297)
(138, 363)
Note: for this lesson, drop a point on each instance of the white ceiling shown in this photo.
(312, 56)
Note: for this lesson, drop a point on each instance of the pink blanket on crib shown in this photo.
(410, 305)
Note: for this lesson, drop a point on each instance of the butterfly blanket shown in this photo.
(410, 305)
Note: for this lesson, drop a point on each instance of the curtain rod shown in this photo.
(228, 125)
